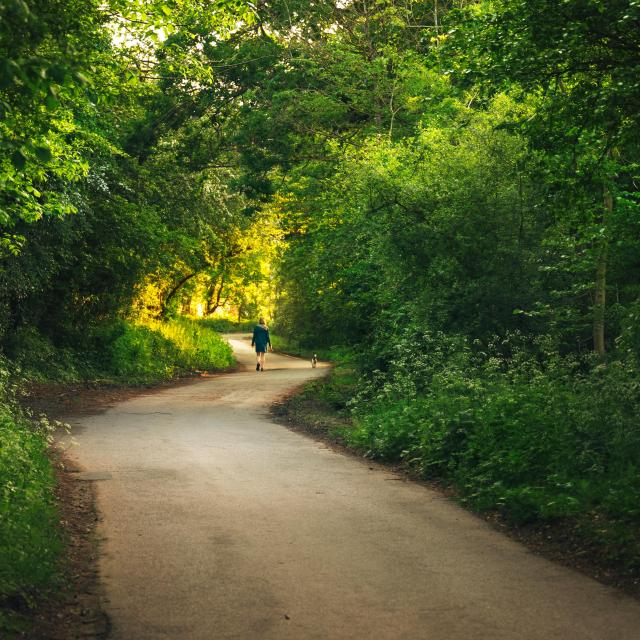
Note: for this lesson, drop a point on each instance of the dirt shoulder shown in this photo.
(560, 541)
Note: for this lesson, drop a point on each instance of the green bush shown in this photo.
(121, 351)
(30, 541)
(198, 346)
(40, 359)
(140, 353)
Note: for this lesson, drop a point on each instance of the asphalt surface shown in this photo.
(220, 524)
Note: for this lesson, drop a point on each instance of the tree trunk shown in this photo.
(176, 288)
(213, 306)
(599, 299)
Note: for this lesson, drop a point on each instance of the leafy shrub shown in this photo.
(29, 538)
(121, 350)
(39, 358)
(198, 346)
(140, 353)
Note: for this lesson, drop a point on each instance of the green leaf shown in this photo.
(7, 74)
(58, 72)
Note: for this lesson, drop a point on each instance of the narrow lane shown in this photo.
(219, 524)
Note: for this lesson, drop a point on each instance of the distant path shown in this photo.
(219, 525)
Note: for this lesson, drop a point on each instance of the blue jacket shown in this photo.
(260, 338)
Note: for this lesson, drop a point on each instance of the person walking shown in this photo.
(261, 341)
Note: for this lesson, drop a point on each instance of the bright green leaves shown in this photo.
(156, 20)
(42, 91)
(64, 101)
(36, 162)
(29, 527)
(582, 55)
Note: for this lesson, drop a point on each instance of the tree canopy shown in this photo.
(470, 164)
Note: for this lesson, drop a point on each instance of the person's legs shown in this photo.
(258, 361)
(261, 360)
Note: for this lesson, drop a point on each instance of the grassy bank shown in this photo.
(321, 407)
(163, 350)
(30, 540)
(120, 352)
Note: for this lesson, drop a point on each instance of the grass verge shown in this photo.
(121, 352)
(320, 407)
(30, 540)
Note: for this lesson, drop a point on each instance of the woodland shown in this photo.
(442, 195)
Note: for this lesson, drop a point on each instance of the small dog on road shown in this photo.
(314, 360)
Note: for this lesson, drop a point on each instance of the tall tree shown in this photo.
(581, 59)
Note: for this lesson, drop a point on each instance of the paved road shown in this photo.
(219, 525)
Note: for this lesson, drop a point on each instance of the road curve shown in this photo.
(219, 524)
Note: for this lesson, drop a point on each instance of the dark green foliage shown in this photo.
(223, 325)
(458, 254)
(441, 227)
(30, 541)
(335, 354)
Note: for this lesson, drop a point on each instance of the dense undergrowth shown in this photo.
(30, 541)
(160, 350)
(537, 439)
(225, 325)
(115, 353)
